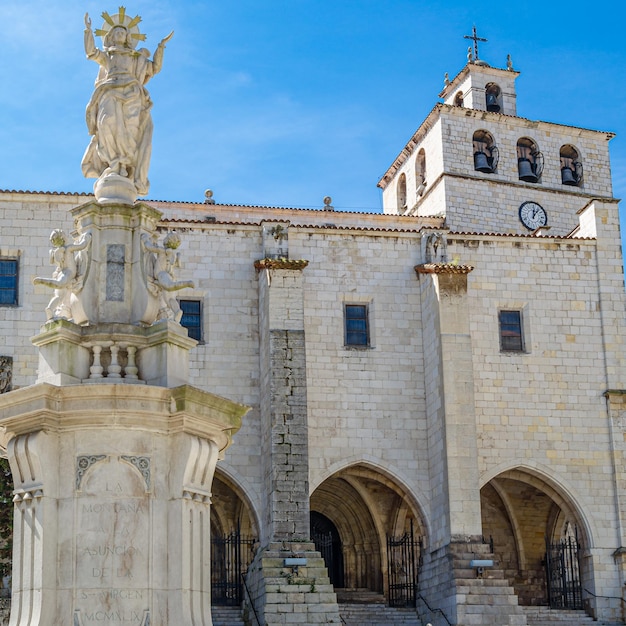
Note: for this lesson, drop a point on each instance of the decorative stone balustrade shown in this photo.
(121, 366)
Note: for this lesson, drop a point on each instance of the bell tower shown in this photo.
(481, 87)
(474, 161)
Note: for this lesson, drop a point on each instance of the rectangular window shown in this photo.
(356, 325)
(511, 336)
(192, 318)
(8, 282)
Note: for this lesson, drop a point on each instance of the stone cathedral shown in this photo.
(221, 414)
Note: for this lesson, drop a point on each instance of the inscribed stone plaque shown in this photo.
(116, 255)
(112, 543)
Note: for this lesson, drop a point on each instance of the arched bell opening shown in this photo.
(234, 540)
(420, 173)
(493, 97)
(529, 160)
(485, 152)
(458, 99)
(538, 539)
(372, 530)
(571, 166)
(401, 194)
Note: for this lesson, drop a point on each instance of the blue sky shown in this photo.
(281, 102)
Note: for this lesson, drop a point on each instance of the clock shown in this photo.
(532, 215)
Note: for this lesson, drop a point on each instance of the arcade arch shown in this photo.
(230, 509)
(234, 540)
(523, 513)
(362, 507)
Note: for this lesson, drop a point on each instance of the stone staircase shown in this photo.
(490, 596)
(359, 607)
(226, 616)
(543, 616)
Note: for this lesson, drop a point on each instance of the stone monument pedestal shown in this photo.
(112, 452)
(112, 502)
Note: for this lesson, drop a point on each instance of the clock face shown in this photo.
(532, 215)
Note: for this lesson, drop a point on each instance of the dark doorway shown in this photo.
(327, 541)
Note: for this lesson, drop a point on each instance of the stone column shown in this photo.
(287, 576)
(600, 219)
(447, 581)
(284, 402)
(611, 608)
(451, 414)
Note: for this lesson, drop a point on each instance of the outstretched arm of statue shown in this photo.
(157, 59)
(90, 44)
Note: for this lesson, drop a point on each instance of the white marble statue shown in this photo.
(118, 114)
(72, 264)
(159, 267)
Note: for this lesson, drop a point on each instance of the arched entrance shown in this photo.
(234, 536)
(358, 510)
(538, 539)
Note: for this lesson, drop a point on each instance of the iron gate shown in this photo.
(563, 574)
(328, 542)
(324, 544)
(403, 555)
(230, 557)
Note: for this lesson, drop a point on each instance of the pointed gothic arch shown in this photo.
(231, 509)
(522, 511)
(234, 539)
(366, 507)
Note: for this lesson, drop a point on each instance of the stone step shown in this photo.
(377, 615)
(359, 596)
(226, 616)
(544, 616)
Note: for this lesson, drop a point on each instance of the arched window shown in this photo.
(493, 97)
(458, 100)
(571, 166)
(420, 173)
(529, 160)
(401, 194)
(485, 152)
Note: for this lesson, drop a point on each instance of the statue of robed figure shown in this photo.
(118, 114)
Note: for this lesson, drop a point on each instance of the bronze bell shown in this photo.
(481, 163)
(492, 103)
(526, 171)
(568, 177)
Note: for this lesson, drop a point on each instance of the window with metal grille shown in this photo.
(356, 325)
(8, 282)
(192, 318)
(511, 336)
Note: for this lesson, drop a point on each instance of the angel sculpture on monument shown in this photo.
(72, 264)
(118, 114)
(159, 273)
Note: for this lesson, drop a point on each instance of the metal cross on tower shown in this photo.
(476, 39)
